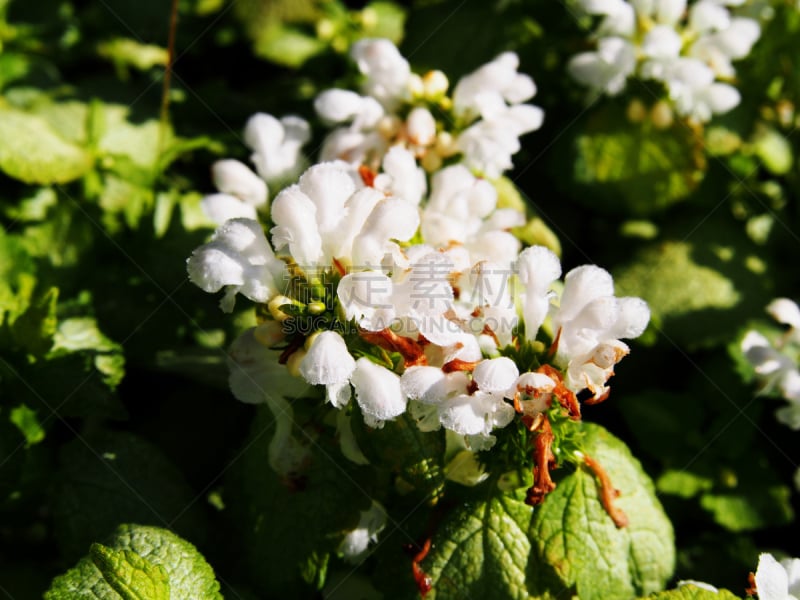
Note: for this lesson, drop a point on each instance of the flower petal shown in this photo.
(378, 392)
(495, 375)
(772, 582)
(327, 361)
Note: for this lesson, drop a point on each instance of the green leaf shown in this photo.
(683, 483)
(34, 328)
(750, 508)
(130, 575)
(572, 533)
(699, 289)
(81, 334)
(139, 560)
(287, 45)
(128, 52)
(273, 26)
(384, 20)
(31, 151)
(108, 479)
(630, 168)
(692, 592)
(400, 447)
(28, 423)
(122, 139)
(774, 151)
(34, 207)
(68, 118)
(500, 547)
(13, 66)
(483, 551)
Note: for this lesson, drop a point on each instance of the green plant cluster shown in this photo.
(126, 466)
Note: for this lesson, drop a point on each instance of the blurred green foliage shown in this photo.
(114, 405)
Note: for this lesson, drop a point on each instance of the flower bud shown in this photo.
(274, 306)
(435, 84)
(293, 363)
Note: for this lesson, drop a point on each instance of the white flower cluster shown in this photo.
(688, 48)
(482, 122)
(404, 291)
(776, 365)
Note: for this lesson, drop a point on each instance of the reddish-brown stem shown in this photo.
(421, 578)
(167, 82)
(608, 493)
(543, 461)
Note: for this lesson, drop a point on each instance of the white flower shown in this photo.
(533, 392)
(662, 42)
(329, 363)
(606, 70)
(479, 412)
(458, 204)
(491, 86)
(708, 15)
(719, 48)
(776, 371)
(489, 144)
(355, 545)
(378, 392)
(401, 176)
(390, 219)
(235, 178)
(431, 385)
(619, 16)
(346, 106)
(241, 192)
(386, 72)
(352, 145)
(694, 92)
(486, 302)
(224, 207)
(786, 312)
(475, 414)
(777, 580)
(495, 375)
(366, 296)
(276, 145)
(667, 12)
(767, 362)
(421, 127)
(323, 217)
(239, 259)
(660, 39)
(422, 299)
(537, 268)
(588, 325)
